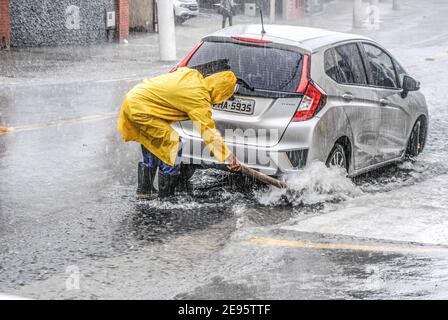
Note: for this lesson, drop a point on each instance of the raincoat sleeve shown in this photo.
(202, 119)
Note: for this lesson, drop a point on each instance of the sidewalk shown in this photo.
(140, 57)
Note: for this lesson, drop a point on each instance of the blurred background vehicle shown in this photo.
(185, 9)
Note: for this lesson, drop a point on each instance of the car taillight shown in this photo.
(187, 59)
(314, 99)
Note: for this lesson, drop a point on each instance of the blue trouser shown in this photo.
(151, 161)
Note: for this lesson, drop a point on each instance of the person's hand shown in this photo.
(234, 164)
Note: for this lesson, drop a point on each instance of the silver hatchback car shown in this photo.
(310, 95)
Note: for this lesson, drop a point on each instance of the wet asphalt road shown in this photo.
(68, 200)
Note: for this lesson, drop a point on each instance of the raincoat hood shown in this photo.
(221, 86)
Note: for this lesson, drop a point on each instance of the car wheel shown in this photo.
(338, 157)
(417, 139)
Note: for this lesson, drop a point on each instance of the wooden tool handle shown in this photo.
(263, 177)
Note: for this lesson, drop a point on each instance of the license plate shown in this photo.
(238, 106)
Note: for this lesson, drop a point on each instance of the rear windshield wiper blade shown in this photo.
(270, 93)
(251, 88)
(245, 84)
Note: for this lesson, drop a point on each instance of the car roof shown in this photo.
(310, 39)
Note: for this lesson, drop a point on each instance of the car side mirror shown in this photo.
(409, 84)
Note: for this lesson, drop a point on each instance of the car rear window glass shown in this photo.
(264, 68)
(381, 67)
(349, 64)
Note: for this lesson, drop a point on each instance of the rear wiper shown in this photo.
(271, 93)
(249, 87)
(245, 84)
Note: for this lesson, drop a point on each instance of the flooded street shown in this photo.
(68, 202)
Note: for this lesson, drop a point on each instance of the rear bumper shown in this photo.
(291, 154)
(267, 160)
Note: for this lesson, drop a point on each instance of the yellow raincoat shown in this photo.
(150, 108)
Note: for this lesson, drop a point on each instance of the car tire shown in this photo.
(417, 140)
(338, 157)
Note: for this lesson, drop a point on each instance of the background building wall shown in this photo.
(207, 3)
(141, 15)
(50, 22)
(122, 9)
(4, 24)
(293, 9)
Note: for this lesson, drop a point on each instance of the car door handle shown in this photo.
(348, 96)
(384, 102)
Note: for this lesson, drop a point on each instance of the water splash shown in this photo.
(316, 184)
(407, 173)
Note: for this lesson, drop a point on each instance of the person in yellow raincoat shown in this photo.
(151, 107)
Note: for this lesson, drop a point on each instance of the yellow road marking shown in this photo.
(344, 246)
(97, 117)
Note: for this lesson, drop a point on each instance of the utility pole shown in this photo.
(272, 12)
(357, 16)
(167, 35)
(396, 5)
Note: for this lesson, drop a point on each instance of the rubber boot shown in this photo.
(145, 179)
(186, 172)
(167, 184)
(152, 177)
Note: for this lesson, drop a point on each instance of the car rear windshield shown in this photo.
(269, 70)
